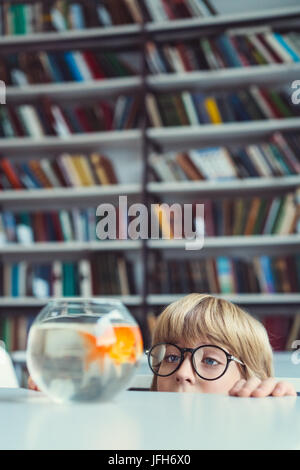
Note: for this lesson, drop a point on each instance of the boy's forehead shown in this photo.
(190, 343)
(193, 343)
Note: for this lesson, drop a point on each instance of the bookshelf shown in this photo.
(208, 188)
(113, 139)
(246, 299)
(139, 142)
(236, 244)
(192, 136)
(66, 197)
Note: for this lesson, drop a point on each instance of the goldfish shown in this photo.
(122, 344)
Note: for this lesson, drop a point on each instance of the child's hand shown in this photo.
(255, 387)
(32, 385)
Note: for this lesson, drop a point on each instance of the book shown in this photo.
(277, 327)
(24, 230)
(153, 111)
(164, 221)
(287, 223)
(214, 163)
(85, 278)
(49, 170)
(160, 165)
(188, 166)
(294, 332)
(284, 42)
(83, 170)
(69, 275)
(56, 279)
(252, 215)
(8, 169)
(224, 271)
(69, 166)
(31, 121)
(39, 174)
(103, 169)
(135, 10)
(265, 274)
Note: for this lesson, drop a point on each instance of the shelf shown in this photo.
(180, 28)
(179, 137)
(34, 302)
(225, 78)
(183, 137)
(106, 140)
(58, 198)
(69, 249)
(164, 299)
(66, 197)
(130, 34)
(213, 246)
(70, 90)
(241, 299)
(233, 245)
(109, 36)
(195, 80)
(219, 188)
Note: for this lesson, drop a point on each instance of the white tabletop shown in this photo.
(149, 420)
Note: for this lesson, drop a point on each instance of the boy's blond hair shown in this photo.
(215, 320)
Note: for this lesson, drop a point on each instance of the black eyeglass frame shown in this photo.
(229, 357)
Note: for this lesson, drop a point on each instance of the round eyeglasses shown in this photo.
(209, 362)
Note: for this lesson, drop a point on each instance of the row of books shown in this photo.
(225, 275)
(166, 10)
(227, 217)
(278, 156)
(226, 50)
(233, 217)
(14, 331)
(61, 226)
(230, 49)
(62, 15)
(48, 118)
(219, 163)
(186, 108)
(105, 274)
(33, 67)
(79, 225)
(255, 216)
(65, 170)
(177, 109)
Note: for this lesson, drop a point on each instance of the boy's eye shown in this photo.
(209, 361)
(171, 358)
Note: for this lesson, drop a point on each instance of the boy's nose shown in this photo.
(185, 373)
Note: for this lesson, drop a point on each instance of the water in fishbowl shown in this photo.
(83, 360)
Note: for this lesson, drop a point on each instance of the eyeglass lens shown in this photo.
(209, 362)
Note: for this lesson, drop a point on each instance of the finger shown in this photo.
(248, 387)
(283, 389)
(31, 384)
(265, 388)
(237, 387)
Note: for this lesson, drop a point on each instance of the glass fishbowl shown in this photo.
(83, 349)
